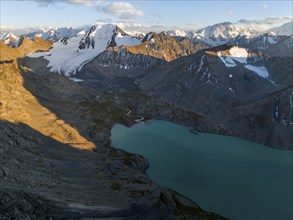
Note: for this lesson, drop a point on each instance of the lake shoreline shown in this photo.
(253, 160)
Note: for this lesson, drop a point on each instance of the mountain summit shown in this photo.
(221, 33)
(70, 54)
(285, 29)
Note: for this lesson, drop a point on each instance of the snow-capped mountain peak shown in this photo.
(285, 29)
(54, 33)
(180, 33)
(221, 33)
(68, 55)
(8, 38)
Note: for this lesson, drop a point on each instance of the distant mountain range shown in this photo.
(219, 33)
(75, 47)
(214, 35)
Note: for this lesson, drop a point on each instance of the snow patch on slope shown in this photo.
(239, 54)
(38, 54)
(235, 54)
(259, 70)
(75, 79)
(66, 58)
(126, 40)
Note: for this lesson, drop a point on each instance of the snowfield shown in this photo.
(240, 55)
(126, 40)
(67, 57)
(259, 70)
(236, 54)
(39, 54)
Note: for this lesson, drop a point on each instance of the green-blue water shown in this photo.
(236, 178)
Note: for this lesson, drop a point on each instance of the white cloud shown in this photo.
(73, 2)
(266, 21)
(17, 31)
(5, 28)
(130, 25)
(123, 10)
(264, 6)
(156, 15)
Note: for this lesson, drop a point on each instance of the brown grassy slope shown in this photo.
(18, 105)
(27, 46)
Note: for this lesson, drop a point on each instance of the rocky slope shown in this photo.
(55, 155)
(216, 83)
(273, 45)
(165, 47)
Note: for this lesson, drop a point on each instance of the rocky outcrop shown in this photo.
(6, 61)
(165, 47)
(120, 57)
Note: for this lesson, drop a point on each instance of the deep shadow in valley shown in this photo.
(79, 180)
(42, 178)
(57, 180)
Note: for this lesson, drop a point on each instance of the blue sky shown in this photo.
(142, 15)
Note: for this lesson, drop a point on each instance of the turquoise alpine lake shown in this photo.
(235, 178)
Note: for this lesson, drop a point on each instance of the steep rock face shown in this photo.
(219, 84)
(164, 46)
(283, 107)
(114, 70)
(122, 58)
(272, 115)
(135, 60)
(234, 76)
(126, 62)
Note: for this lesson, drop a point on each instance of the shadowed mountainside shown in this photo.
(56, 160)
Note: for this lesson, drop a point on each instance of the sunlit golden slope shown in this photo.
(27, 46)
(166, 47)
(18, 105)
